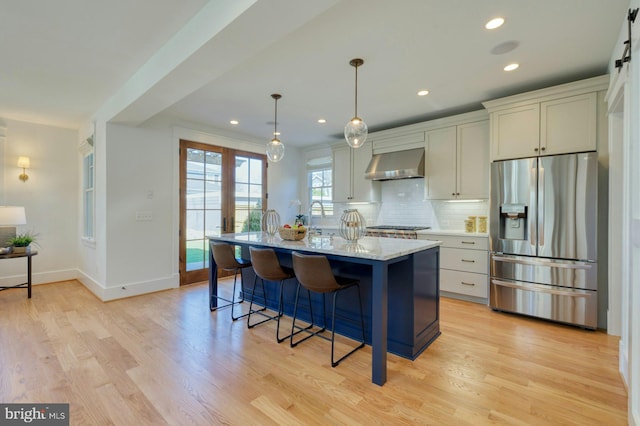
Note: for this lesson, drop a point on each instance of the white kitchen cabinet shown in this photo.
(349, 166)
(457, 161)
(556, 120)
(464, 265)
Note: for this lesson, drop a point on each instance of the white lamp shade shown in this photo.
(12, 216)
(24, 162)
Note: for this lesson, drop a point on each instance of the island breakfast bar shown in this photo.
(399, 284)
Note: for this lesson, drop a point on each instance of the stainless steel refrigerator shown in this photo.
(543, 237)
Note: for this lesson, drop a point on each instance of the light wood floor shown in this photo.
(165, 359)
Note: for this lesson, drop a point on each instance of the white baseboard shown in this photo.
(623, 363)
(136, 289)
(40, 277)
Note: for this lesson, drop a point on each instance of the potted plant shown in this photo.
(21, 242)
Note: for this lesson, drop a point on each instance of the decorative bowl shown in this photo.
(292, 234)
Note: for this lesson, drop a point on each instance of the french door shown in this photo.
(221, 190)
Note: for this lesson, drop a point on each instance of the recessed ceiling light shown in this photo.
(234, 122)
(494, 23)
(423, 93)
(511, 67)
(322, 121)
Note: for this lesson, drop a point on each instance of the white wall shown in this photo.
(137, 169)
(50, 198)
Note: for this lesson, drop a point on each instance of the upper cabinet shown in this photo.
(457, 162)
(558, 120)
(349, 166)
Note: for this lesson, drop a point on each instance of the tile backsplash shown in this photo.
(403, 203)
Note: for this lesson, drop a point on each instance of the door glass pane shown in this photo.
(195, 255)
(213, 195)
(195, 163)
(213, 165)
(255, 171)
(213, 222)
(242, 169)
(195, 224)
(195, 194)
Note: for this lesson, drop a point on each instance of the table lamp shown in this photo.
(10, 217)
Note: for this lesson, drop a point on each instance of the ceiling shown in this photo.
(209, 62)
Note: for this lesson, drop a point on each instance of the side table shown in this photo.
(28, 255)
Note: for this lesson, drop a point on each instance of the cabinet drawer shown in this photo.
(460, 241)
(465, 260)
(466, 283)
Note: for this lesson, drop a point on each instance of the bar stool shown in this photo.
(225, 258)
(314, 274)
(267, 267)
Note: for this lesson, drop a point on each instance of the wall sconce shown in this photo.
(25, 163)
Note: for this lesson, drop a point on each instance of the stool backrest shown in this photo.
(314, 272)
(266, 264)
(223, 255)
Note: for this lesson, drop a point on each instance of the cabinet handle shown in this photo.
(535, 149)
(465, 283)
(543, 148)
(468, 242)
(453, 193)
(468, 261)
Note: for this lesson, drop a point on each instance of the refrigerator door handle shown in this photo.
(532, 205)
(541, 289)
(540, 206)
(549, 263)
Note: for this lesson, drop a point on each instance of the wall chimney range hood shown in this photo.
(396, 165)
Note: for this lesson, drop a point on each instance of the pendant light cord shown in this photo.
(275, 121)
(356, 67)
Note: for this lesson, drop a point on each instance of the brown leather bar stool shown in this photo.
(267, 267)
(225, 258)
(314, 274)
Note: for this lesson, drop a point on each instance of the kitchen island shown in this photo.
(399, 285)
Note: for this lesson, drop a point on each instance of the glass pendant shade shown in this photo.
(355, 132)
(275, 150)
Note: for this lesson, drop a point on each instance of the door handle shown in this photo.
(224, 224)
(541, 206)
(549, 264)
(541, 289)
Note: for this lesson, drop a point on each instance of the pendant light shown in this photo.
(275, 148)
(355, 132)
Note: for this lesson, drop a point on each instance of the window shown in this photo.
(320, 185)
(88, 197)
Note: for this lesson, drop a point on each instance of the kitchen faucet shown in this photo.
(311, 215)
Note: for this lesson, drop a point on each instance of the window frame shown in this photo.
(314, 165)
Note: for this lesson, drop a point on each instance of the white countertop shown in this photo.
(366, 248)
(454, 232)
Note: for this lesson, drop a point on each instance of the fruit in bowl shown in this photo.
(292, 233)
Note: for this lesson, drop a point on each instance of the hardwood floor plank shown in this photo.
(163, 358)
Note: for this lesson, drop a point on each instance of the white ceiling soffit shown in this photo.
(210, 62)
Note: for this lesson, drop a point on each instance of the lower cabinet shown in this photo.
(464, 266)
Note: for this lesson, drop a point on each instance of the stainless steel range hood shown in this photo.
(396, 165)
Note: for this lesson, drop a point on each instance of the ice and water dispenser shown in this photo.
(513, 222)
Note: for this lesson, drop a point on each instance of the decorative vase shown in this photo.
(270, 222)
(352, 225)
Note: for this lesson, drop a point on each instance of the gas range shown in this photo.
(395, 231)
